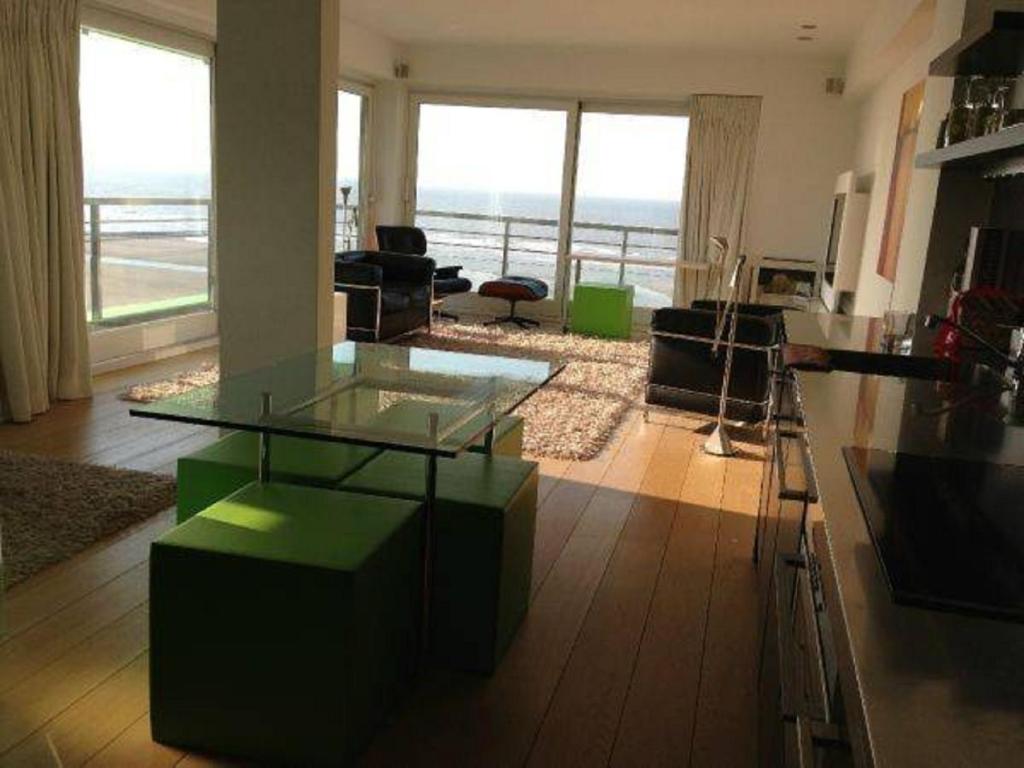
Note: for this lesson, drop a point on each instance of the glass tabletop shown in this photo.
(421, 400)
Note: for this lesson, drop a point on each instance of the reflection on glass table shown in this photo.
(420, 400)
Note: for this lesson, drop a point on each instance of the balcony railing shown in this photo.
(150, 256)
(488, 246)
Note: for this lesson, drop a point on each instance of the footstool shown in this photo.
(482, 557)
(211, 473)
(283, 623)
(513, 290)
(603, 310)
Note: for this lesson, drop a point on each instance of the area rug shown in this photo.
(573, 417)
(207, 373)
(51, 509)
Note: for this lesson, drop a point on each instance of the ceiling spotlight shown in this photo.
(808, 26)
(804, 38)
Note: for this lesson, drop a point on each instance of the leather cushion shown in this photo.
(514, 288)
(447, 286)
(755, 331)
(393, 301)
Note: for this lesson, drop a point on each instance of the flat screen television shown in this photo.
(832, 253)
(840, 266)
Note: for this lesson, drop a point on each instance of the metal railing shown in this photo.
(135, 225)
(625, 245)
(139, 218)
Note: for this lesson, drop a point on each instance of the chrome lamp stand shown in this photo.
(719, 444)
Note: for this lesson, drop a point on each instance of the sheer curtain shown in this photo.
(719, 167)
(43, 343)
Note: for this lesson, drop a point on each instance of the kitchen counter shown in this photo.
(935, 689)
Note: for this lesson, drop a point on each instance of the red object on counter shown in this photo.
(976, 309)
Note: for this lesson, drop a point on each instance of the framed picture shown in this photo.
(899, 184)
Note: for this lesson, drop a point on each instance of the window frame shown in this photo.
(185, 43)
(558, 304)
(367, 200)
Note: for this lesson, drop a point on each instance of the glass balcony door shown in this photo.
(630, 169)
(565, 192)
(146, 155)
(352, 167)
(488, 187)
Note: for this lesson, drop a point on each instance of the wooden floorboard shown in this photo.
(656, 728)
(638, 649)
(581, 723)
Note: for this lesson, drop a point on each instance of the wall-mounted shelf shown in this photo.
(990, 151)
(995, 49)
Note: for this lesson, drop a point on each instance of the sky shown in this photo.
(522, 150)
(146, 110)
(143, 109)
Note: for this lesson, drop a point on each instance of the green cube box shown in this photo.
(218, 470)
(283, 623)
(483, 547)
(599, 309)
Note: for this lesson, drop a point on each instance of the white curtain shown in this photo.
(719, 167)
(43, 343)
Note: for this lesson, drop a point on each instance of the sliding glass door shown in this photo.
(488, 187)
(629, 184)
(566, 192)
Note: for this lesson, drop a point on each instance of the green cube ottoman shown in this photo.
(283, 623)
(213, 472)
(599, 309)
(483, 547)
(412, 414)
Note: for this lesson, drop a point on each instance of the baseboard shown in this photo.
(152, 355)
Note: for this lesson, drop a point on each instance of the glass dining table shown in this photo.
(430, 402)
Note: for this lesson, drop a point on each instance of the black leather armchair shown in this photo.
(412, 240)
(685, 373)
(389, 294)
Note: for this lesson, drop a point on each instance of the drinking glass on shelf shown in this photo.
(958, 127)
(997, 117)
(980, 102)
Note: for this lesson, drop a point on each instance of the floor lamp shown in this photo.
(719, 443)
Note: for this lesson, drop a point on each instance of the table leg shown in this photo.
(263, 468)
(429, 504)
(263, 471)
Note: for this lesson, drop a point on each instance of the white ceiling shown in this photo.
(750, 25)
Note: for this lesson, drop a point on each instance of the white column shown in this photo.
(275, 135)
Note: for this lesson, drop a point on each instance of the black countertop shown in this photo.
(937, 689)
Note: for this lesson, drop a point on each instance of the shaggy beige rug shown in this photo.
(51, 509)
(573, 417)
(207, 373)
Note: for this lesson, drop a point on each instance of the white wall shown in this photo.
(892, 54)
(806, 136)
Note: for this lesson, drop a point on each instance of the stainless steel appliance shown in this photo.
(801, 712)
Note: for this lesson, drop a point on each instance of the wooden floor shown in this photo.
(638, 649)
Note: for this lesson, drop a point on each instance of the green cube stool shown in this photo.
(218, 470)
(483, 547)
(283, 623)
(508, 432)
(599, 309)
